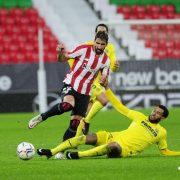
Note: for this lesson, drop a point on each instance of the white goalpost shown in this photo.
(42, 86)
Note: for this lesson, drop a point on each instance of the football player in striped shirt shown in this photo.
(89, 60)
(98, 99)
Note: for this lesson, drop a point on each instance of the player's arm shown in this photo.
(105, 74)
(168, 152)
(117, 104)
(65, 56)
(114, 64)
(162, 145)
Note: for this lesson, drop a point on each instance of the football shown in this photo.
(25, 150)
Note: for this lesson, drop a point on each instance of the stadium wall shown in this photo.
(138, 84)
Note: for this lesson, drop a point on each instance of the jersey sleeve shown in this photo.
(136, 115)
(117, 104)
(162, 143)
(105, 67)
(71, 60)
(78, 51)
(112, 56)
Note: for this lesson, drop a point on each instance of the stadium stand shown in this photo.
(19, 23)
(163, 39)
(143, 41)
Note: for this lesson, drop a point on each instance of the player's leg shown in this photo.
(101, 101)
(66, 105)
(112, 150)
(58, 109)
(78, 112)
(99, 139)
(68, 144)
(73, 125)
(112, 98)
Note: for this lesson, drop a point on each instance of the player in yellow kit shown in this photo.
(98, 99)
(142, 132)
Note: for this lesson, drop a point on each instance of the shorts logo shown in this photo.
(66, 90)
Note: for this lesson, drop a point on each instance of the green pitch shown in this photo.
(148, 165)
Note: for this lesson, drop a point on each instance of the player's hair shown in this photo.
(104, 25)
(102, 35)
(164, 108)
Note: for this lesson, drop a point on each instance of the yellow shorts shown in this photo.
(96, 90)
(104, 137)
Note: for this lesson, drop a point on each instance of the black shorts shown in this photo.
(81, 100)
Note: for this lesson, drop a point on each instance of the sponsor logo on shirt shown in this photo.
(149, 128)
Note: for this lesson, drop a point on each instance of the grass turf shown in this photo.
(148, 165)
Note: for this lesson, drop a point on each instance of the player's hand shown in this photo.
(60, 48)
(104, 81)
(62, 54)
(116, 65)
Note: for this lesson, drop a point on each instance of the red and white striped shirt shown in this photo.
(85, 68)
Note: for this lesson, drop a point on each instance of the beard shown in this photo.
(99, 51)
(154, 121)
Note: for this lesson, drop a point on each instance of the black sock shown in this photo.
(71, 131)
(57, 110)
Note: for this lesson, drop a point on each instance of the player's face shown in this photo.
(99, 46)
(156, 114)
(102, 29)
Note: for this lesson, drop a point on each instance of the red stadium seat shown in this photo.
(153, 9)
(16, 12)
(148, 16)
(169, 52)
(24, 21)
(18, 36)
(170, 15)
(160, 37)
(1, 49)
(138, 9)
(5, 59)
(124, 9)
(162, 54)
(9, 21)
(155, 16)
(3, 12)
(162, 44)
(170, 44)
(177, 16)
(31, 12)
(177, 44)
(176, 54)
(167, 8)
(141, 15)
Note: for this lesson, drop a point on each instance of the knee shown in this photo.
(91, 139)
(65, 106)
(104, 103)
(114, 150)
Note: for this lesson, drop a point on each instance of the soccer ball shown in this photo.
(25, 150)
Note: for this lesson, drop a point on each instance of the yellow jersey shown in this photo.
(110, 51)
(141, 133)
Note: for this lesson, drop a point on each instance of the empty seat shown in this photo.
(19, 36)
